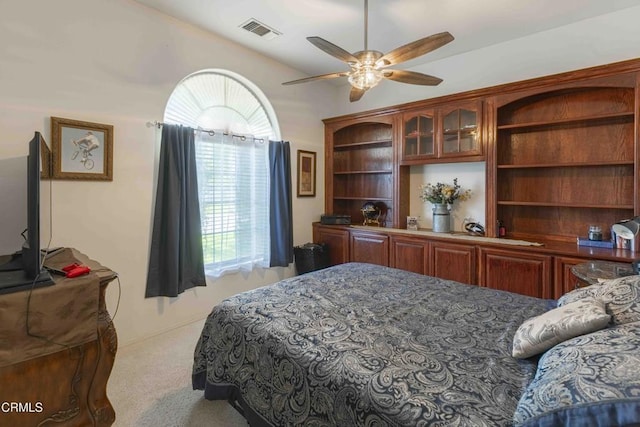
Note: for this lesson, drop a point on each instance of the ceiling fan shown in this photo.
(368, 67)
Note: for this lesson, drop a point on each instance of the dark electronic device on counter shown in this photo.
(335, 219)
(24, 268)
(474, 228)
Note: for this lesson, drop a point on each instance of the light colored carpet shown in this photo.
(150, 385)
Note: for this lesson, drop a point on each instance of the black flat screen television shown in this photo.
(23, 269)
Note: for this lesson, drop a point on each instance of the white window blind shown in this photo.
(233, 187)
(233, 174)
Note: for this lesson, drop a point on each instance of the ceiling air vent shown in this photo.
(256, 27)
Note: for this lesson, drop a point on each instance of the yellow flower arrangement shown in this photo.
(444, 193)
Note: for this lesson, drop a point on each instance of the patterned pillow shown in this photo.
(590, 380)
(578, 294)
(621, 298)
(542, 332)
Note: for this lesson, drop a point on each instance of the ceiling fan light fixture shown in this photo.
(365, 77)
(368, 67)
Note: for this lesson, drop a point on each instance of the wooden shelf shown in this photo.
(418, 134)
(363, 144)
(604, 118)
(364, 172)
(372, 199)
(565, 159)
(563, 205)
(569, 165)
(463, 131)
(362, 169)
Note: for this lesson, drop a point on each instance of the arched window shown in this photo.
(232, 165)
(223, 100)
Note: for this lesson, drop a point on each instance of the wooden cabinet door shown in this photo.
(410, 254)
(371, 248)
(453, 261)
(519, 272)
(461, 130)
(337, 241)
(419, 135)
(564, 280)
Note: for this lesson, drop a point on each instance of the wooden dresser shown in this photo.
(57, 373)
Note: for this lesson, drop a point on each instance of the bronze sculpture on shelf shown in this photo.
(374, 213)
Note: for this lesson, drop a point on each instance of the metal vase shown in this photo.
(441, 218)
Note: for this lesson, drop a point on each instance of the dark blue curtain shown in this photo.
(176, 260)
(280, 217)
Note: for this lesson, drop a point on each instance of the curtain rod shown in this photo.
(209, 131)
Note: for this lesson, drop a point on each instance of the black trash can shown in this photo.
(311, 257)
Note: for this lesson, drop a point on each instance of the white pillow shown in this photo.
(540, 333)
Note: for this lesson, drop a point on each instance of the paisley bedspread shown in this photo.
(363, 345)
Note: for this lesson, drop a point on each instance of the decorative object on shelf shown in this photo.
(370, 213)
(626, 234)
(333, 219)
(306, 173)
(595, 232)
(584, 241)
(412, 223)
(442, 196)
(441, 218)
(502, 230)
(474, 228)
(81, 150)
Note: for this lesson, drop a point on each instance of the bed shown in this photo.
(364, 345)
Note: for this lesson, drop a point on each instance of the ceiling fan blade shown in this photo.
(356, 94)
(416, 48)
(320, 77)
(412, 77)
(332, 49)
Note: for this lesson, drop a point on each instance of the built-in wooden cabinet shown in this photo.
(564, 280)
(561, 154)
(454, 261)
(442, 134)
(565, 160)
(539, 271)
(461, 125)
(515, 271)
(369, 247)
(336, 241)
(410, 254)
(419, 135)
(360, 167)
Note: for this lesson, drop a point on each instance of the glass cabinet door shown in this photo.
(418, 138)
(460, 128)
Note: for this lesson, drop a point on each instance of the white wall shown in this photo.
(117, 62)
(471, 176)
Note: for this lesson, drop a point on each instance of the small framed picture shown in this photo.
(412, 223)
(306, 173)
(81, 150)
